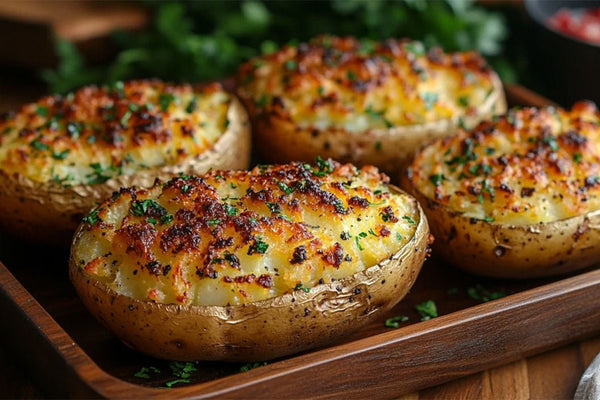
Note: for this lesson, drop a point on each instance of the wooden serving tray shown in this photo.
(71, 354)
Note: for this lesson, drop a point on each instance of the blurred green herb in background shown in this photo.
(196, 41)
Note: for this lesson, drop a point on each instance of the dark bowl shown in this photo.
(569, 67)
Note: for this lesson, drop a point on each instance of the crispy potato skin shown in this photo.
(531, 210)
(363, 107)
(255, 330)
(512, 251)
(39, 207)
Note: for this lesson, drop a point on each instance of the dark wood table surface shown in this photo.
(550, 375)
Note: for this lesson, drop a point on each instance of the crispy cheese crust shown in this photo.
(340, 83)
(529, 166)
(230, 238)
(97, 133)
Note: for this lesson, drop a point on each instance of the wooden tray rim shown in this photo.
(102, 383)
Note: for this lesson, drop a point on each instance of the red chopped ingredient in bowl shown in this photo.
(583, 24)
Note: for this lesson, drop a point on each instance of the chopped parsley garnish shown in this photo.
(300, 286)
(119, 88)
(99, 174)
(357, 240)
(437, 179)
(394, 322)
(325, 166)
(152, 209)
(577, 157)
(427, 310)
(213, 222)
(510, 117)
(176, 381)
(74, 130)
(398, 236)
(484, 295)
(274, 207)
(488, 219)
(258, 247)
(550, 140)
(60, 155)
(231, 210)
(378, 145)
(262, 101)
(165, 99)
(430, 99)
(463, 101)
(42, 111)
(125, 118)
(191, 107)
(409, 219)
(36, 144)
(351, 75)
(320, 90)
(287, 189)
(489, 151)
(249, 366)
(291, 65)
(144, 372)
(415, 48)
(92, 218)
(378, 115)
(181, 370)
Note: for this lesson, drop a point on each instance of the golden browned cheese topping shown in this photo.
(96, 133)
(532, 165)
(342, 83)
(237, 237)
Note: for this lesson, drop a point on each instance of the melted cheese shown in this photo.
(341, 83)
(96, 133)
(530, 166)
(238, 237)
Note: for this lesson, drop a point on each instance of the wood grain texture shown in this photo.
(68, 353)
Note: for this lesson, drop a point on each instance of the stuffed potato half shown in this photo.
(62, 155)
(364, 102)
(518, 196)
(243, 266)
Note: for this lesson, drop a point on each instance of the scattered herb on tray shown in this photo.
(394, 322)
(427, 310)
(478, 292)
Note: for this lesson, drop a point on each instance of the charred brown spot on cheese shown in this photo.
(258, 232)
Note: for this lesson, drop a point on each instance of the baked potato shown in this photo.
(361, 101)
(245, 266)
(62, 155)
(518, 196)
